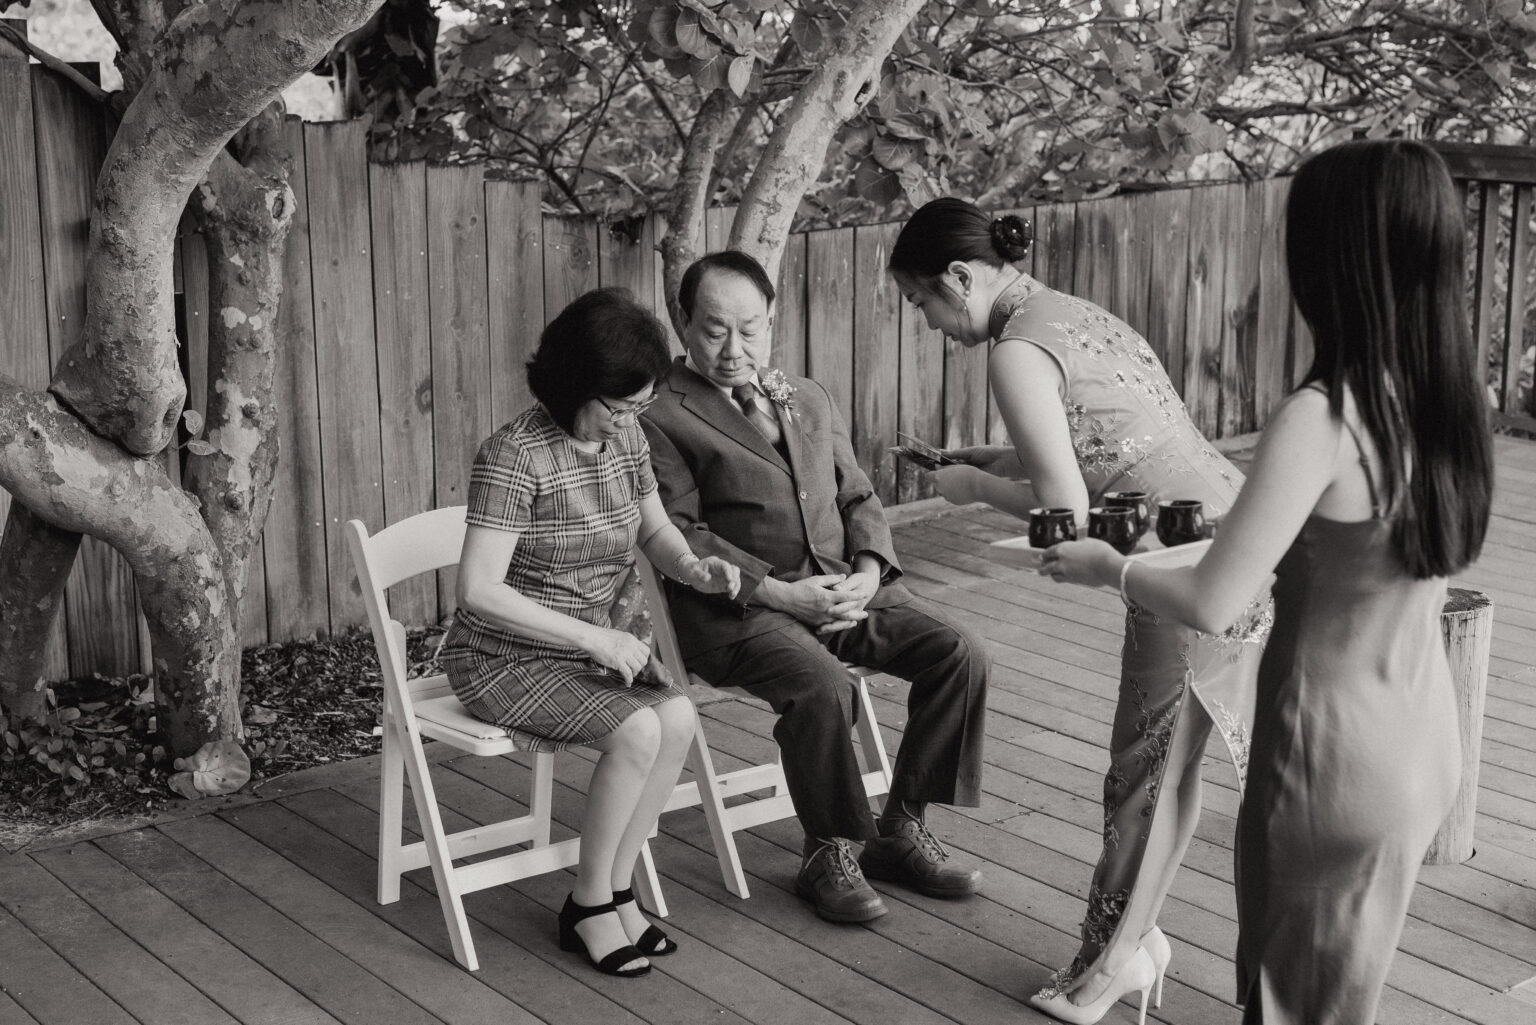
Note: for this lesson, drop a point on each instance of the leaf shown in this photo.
(692, 38)
(739, 75)
(876, 184)
(192, 420)
(199, 448)
(894, 154)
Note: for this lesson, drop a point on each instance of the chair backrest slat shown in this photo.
(421, 544)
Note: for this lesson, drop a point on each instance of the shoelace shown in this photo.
(929, 842)
(842, 856)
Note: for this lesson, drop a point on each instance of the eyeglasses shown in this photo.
(619, 414)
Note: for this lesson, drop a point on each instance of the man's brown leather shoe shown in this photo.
(830, 879)
(913, 857)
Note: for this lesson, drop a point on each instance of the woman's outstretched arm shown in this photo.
(1297, 460)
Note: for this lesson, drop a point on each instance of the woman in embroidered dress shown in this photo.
(1370, 486)
(1090, 410)
(557, 498)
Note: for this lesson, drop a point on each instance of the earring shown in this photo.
(967, 291)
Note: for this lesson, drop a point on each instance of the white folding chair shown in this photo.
(712, 789)
(426, 707)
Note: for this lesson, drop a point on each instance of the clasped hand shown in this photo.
(831, 602)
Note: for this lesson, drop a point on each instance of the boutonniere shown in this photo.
(776, 386)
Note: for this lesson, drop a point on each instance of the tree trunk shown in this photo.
(202, 72)
(844, 79)
(689, 198)
(35, 557)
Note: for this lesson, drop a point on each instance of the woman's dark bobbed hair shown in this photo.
(603, 345)
(950, 229)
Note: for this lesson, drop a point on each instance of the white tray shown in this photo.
(1015, 551)
(1179, 555)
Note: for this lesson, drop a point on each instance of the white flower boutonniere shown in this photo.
(778, 389)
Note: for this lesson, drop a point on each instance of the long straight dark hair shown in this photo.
(1375, 249)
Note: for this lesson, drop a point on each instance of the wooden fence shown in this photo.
(414, 295)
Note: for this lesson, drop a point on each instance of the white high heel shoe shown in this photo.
(1157, 948)
(1135, 976)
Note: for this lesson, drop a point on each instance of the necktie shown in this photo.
(766, 423)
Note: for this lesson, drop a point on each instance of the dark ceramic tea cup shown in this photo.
(1114, 525)
(1139, 501)
(1180, 522)
(1049, 527)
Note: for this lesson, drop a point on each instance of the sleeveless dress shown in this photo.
(1355, 763)
(576, 514)
(1131, 432)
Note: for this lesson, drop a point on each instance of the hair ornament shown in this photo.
(1011, 236)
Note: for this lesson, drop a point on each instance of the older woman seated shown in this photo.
(557, 498)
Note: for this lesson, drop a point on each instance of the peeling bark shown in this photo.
(35, 559)
(83, 483)
(215, 67)
(842, 81)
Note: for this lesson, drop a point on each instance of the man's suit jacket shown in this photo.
(733, 495)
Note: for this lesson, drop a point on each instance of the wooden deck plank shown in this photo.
(227, 976)
(246, 908)
(389, 954)
(341, 854)
(128, 974)
(283, 946)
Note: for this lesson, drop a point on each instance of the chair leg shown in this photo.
(391, 801)
(870, 742)
(443, 876)
(648, 884)
(541, 801)
(703, 768)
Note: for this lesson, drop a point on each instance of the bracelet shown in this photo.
(1125, 568)
(682, 563)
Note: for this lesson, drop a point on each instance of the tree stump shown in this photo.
(1467, 625)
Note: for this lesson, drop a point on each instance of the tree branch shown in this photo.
(54, 64)
(685, 204)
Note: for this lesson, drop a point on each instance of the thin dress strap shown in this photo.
(1365, 467)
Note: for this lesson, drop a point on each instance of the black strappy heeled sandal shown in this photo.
(653, 942)
(570, 940)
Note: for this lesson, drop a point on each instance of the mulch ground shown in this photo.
(100, 757)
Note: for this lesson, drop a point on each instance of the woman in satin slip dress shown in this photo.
(1089, 410)
(1371, 485)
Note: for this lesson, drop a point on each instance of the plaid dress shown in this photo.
(576, 515)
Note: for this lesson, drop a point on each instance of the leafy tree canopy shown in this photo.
(1002, 100)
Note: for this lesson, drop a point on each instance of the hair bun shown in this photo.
(1011, 236)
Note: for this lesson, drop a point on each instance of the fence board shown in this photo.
(626, 256)
(921, 411)
(876, 357)
(1485, 261)
(345, 361)
(1093, 254)
(514, 230)
(72, 134)
(23, 304)
(570, 261)
(1514, 305)
(461, 354)
(829, 321)
(1055, 237)
(1206, 313)
(1272, 331)
(298, 588)
(789, 311)
(397, 201)
(1164, 328)
(1139, 247)
(1240, 288)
